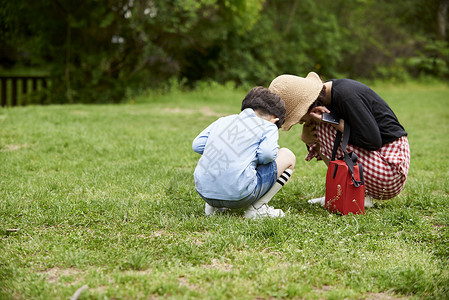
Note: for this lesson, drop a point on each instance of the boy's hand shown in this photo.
(273, 120)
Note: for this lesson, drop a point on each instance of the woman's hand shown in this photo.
(308, 135)
(317, 112)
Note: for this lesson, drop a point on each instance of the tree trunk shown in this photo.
(67, 61)
(442, 18)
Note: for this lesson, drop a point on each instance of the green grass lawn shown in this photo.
(103, 196)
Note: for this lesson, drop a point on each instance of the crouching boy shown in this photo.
(241, 164)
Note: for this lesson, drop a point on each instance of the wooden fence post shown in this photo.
(3, 100)
(14, 87)
(14, 92)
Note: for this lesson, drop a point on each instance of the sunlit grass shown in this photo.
(104, 196)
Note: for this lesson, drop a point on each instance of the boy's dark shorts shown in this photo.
(266, 177)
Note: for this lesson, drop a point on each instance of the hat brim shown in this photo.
(298, 94)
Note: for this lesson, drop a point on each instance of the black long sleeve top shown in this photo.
(373, 123)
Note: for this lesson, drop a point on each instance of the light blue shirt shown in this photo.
(231, 149)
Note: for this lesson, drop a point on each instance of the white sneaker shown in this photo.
(262, 212)
(321, 200)
(369, 201)
(210, 210)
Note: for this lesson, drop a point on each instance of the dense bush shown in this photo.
(103, 50)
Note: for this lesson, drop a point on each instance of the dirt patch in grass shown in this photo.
(369, 296)
(11, 147)
(138, 272)
(218, 265)
(383, 296)
(161, 233)
(54, 275)
(184, 281)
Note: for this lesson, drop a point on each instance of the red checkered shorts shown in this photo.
(384, 170)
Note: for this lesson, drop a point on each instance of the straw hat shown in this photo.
(298, 94)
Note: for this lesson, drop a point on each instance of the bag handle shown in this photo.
(348, 160)
(344, 144)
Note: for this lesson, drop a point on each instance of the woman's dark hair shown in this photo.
(266, 102)
(319, 100)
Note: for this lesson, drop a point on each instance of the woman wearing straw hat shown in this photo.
(376, 136)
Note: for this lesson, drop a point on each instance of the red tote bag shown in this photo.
(345, 190)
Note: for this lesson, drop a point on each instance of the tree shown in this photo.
(99, 50)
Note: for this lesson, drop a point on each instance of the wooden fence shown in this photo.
(19, 87)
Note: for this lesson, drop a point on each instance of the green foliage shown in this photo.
(432, 59)
(99, 51)
(104, 196)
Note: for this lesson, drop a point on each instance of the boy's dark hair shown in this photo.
(266, 102)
